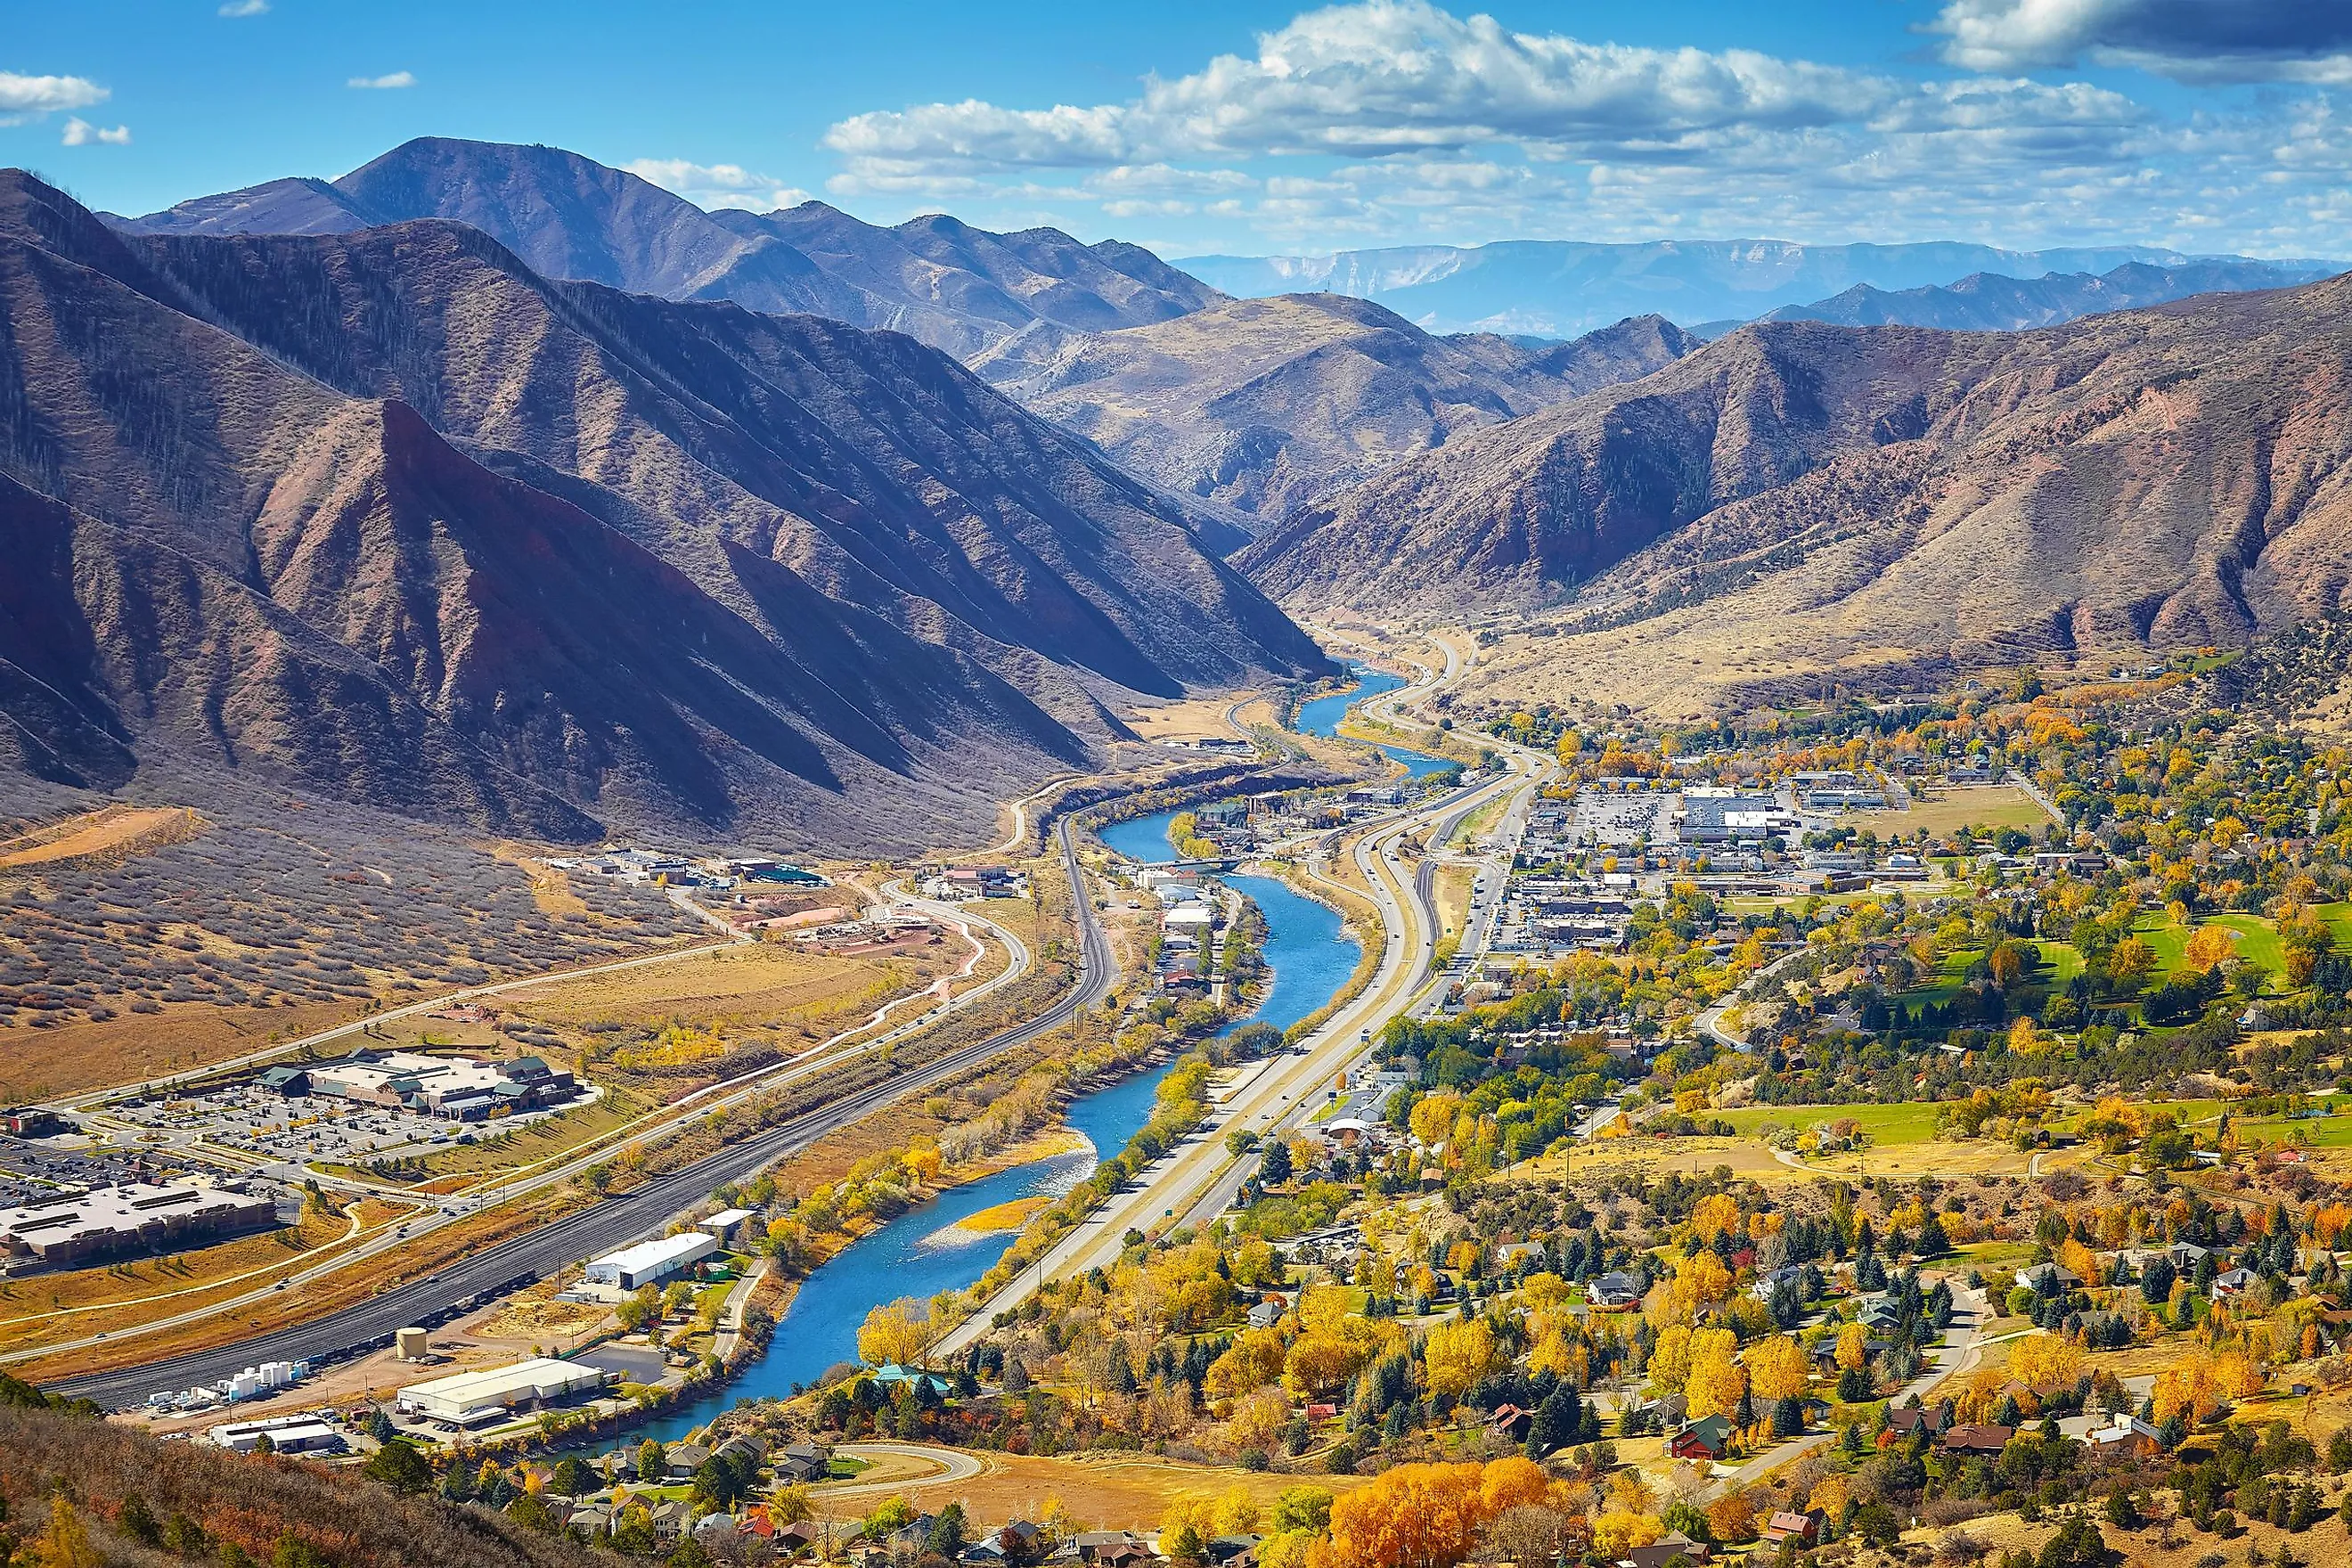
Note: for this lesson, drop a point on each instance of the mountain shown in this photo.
(1562, 288)
(567, 216)
(389, 511)
(1262, 405)
(1990, 302)
(1801, 496)
(961, 289)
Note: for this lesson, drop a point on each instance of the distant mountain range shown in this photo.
(388, 511)
(1801, 495)
(1990, 302)
(1262, 405)
(1561, 288)
(953, 287)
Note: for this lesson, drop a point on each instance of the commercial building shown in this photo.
(650, 1262)
(465, 1089)
(135, 1217)
(471, 1396)
(726, 1223)
(287, 1434)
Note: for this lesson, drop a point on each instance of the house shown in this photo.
(1234, 1551)
(2236, 1281)
(1771, 1279)
(1980, 1439)
(1614, 1292)
(1663, 1550)
(1704, 1439)
(1803, 1528)
(2057, 1277)
(1510, 1423)
(1933, 1420)
(1109, 1546)
(1015, 1539)
(669, 1518)
(1266, 1313)
(2126, 1434)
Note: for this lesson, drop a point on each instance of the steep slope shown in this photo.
(567, 216)
(621, 559)
(1990, 302)
(963, 289)
(1263, 405)
(1804, 497)
(1562, 288)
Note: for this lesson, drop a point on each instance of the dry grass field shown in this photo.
(767, 987)
(113, 829)
(70, 1058)
(1193, 719)
(1105, 1491)
(1981, 806)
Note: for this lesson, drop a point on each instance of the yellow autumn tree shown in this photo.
(896, 1333)
(1670, 1359)
(1853, 1348)
(1716, 1214)
(1459, 1356)
(1777, 1369)
(1717, 1379)
(2211, 945)
(2046, 1363)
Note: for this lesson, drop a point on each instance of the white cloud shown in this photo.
(1382, 76)
(24, 98)
(80, 133)
(1394, 121)
(389, 80)
(244, 7)
(2216, 40)
(711, 185)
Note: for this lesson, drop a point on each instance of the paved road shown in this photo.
(617, 1221)
(953, 1464)
(1957, 1351)
(1197, 1181)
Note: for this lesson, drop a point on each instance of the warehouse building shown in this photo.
(464, 1088)
(472, 1397)
(651, 1262)
(308, 1433)
(133, 1217)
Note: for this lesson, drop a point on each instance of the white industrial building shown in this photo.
(305, 1433)
(724, 1224)
(651, 1262)
(470, 1396)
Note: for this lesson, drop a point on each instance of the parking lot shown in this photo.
(1620, 821)
(32, 1172)
(305, 1128)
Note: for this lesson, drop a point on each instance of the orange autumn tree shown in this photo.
(1423, 1516)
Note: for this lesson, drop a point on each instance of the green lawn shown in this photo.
(1912, 1123)
(2258, 940)
(2340, 920)
(2326, 1132)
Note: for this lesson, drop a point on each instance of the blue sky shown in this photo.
(2215, 125)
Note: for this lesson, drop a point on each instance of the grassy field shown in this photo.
(537, 1141)
(763, 986)
(1103, 1491)
(1886, 1124)
(1983, 807)
(2257, 941)
(47, 1063)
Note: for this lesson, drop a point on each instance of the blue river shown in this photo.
(1322, 717)
(924, 1251)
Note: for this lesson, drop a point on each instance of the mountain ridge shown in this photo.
(600, 557)
(1801, 495)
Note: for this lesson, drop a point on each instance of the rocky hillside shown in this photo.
(390, 511)
(568, 217)
(1262, 405)
(2179, 474)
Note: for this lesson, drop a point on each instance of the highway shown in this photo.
(617, 1221)
(1197, 1181)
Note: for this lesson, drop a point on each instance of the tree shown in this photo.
(572, 1478)
(1459, 1356)
(1777, 1368)
(1303, 1507)
(653, 1463)
(2132, 963)
(950, 1534)
(1717, 1380)
(1730, 1520)
(1274, 1166)
(65, 1543)
(399, 1466)
(895, 1333)
(2077, 1544)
